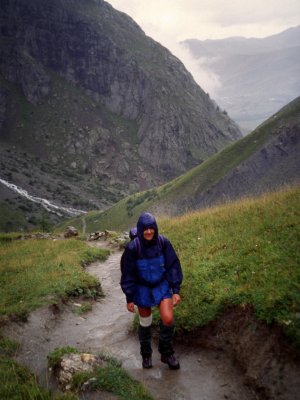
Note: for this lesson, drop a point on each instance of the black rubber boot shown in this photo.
(145, 342)
(147, 361)
(165, 346)
(171, 360)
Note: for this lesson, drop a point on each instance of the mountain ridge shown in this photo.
(83, 89)
(288, 38)
(257, 76)
(263, 161)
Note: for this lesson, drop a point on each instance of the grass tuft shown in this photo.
(113, 379)
(8, 347)
(56, 355)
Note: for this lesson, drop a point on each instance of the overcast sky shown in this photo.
(171, 21)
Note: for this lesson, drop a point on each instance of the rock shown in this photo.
(70, 232)
(86, 386)
(110, 234)
(119, 240)
(72, 363)
(96, 236)
(3, 106)
(112, 237)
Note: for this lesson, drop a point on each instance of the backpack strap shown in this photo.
(137, 245)
(161, 242)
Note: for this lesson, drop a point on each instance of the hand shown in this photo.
(130, 307)
(176, 299)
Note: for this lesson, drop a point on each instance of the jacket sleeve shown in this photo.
(173, 267)
(128, 273)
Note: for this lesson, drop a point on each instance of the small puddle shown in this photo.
(204, 374)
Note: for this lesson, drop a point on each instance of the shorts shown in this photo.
(149, 297)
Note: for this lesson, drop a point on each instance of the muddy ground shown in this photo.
(235, 358)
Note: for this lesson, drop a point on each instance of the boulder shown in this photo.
(110, 234)
(70, 232)
(72, 363)
(96, 236)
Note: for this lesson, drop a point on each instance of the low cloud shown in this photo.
(199, 68)
(171, 21)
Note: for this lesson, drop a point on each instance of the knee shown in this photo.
(145, 312)
(167, 320)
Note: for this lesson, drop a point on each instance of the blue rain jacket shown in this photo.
(151, 270)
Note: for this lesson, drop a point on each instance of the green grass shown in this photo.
(247, 252)
(17, 383)
(8, 347)
(56, 355)
(8, 237)
(82, 308)
(116, 380)
(38, 272)
(110, 378)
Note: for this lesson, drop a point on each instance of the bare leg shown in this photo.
(166, 312)
(166, 332)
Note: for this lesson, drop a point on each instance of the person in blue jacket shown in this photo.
(151, 276)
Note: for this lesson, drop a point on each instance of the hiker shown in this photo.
(151, 276)
(133, 233)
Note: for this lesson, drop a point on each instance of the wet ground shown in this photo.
(204, 374)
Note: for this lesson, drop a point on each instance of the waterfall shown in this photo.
(49, 206)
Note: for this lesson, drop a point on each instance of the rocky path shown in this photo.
(204, 375)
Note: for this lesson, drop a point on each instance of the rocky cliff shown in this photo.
(265, 160)
(82, 87)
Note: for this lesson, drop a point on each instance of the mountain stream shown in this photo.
(204, 374)
(49, 206)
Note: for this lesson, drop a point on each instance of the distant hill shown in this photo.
(91, 109)
(263, 161)
(257, 76)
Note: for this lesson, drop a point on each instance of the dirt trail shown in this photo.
(204, 375)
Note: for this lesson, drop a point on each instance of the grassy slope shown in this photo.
(37, 272)
(242, 253)
(125, 213)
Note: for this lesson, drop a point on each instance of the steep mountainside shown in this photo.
(263, 161)
(257, 76)
(87, 92)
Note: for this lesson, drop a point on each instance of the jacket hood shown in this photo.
(146, 220)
